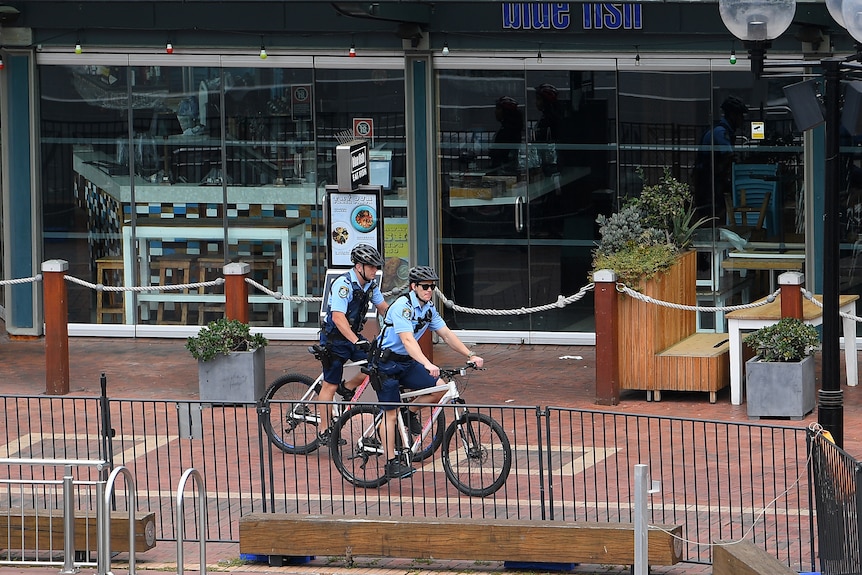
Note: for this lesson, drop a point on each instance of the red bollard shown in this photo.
(607, 352)
(236, 291)
(56, 307)
(791, 294)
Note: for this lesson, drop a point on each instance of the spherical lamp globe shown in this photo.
(757, 20)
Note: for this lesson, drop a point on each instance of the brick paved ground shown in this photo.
(163, 369)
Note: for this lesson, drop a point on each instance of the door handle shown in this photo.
(519, 214)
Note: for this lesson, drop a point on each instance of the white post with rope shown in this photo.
(641, 509)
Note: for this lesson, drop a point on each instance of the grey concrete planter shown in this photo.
(236, 378)
(780, 389)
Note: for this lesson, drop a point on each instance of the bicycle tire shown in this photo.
(363, 465)
(435, 439)
(482, 455)
(287, 401)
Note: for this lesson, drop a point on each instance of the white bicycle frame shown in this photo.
(353, 367)
(451, 394)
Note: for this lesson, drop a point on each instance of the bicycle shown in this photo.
(290, 400)
(476, 454)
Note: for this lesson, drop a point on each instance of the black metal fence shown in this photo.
(719, 480)
(836, 477)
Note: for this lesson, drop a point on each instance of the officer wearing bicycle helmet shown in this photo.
(340, 335)
(713, 168)
(401, 362)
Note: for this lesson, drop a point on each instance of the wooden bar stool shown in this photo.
(210, 268)
(109, 272)
(263, 272)
(173, 270)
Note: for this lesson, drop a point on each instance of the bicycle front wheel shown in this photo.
(477, 456)
(356, 446)
(291, 421)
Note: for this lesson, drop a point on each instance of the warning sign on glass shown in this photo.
(300, 101)
(352, 218)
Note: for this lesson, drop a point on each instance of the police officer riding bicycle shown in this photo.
(340, 336)
(399, 361)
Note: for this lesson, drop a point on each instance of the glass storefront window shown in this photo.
(526, 164)
(158, 175)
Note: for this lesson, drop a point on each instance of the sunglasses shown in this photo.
(427, 286)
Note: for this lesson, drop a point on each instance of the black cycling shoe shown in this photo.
(397, 470)
(325, 436)
(345, 393)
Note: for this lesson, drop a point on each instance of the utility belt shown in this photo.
(389, 355)
(335, 335)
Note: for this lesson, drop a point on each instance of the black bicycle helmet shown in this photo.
(732, 105)
(507, 102)
(365, 254)
(547, 92)
(422, 274)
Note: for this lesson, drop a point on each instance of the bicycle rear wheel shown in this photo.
(356, 446)
(477, 456)
(291, 421)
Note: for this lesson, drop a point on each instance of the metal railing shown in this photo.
(719, 480)
(43, 494)
(837, 477)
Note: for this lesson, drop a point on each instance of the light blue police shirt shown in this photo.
(404, 315)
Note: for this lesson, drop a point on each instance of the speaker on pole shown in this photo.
(806, 107)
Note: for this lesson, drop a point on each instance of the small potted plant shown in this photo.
(780, 379)
(231, 361)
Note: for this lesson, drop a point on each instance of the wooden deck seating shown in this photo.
(659, 347)
(514, 540)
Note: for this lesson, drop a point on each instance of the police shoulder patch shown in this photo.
(406, 313)
(343, 292)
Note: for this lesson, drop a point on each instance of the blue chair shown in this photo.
(756, 202)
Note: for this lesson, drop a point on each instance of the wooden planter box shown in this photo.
(659, 348)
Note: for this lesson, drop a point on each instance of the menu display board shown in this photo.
(352, 218)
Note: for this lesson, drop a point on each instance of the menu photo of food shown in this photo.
(354, 219)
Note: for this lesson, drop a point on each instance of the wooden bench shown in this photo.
(43, 529)
(659, 348)
(280, 535)
(744, 558)
(700, 357)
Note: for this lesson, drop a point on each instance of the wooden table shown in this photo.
(768, 261)
(757, 317)
(290, 232)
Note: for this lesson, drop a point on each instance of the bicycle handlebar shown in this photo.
(452, 371)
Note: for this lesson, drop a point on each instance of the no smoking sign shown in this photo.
(363, 128)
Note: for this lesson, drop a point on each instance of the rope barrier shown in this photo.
(810, 297)
(177, 287)
(36, 278)
(309, 299)
(645, 298)
(562, 301)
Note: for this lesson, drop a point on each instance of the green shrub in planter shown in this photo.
(789, 339)
(646, 236)
(223, 336)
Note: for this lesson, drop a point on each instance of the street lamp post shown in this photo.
(757, 23)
